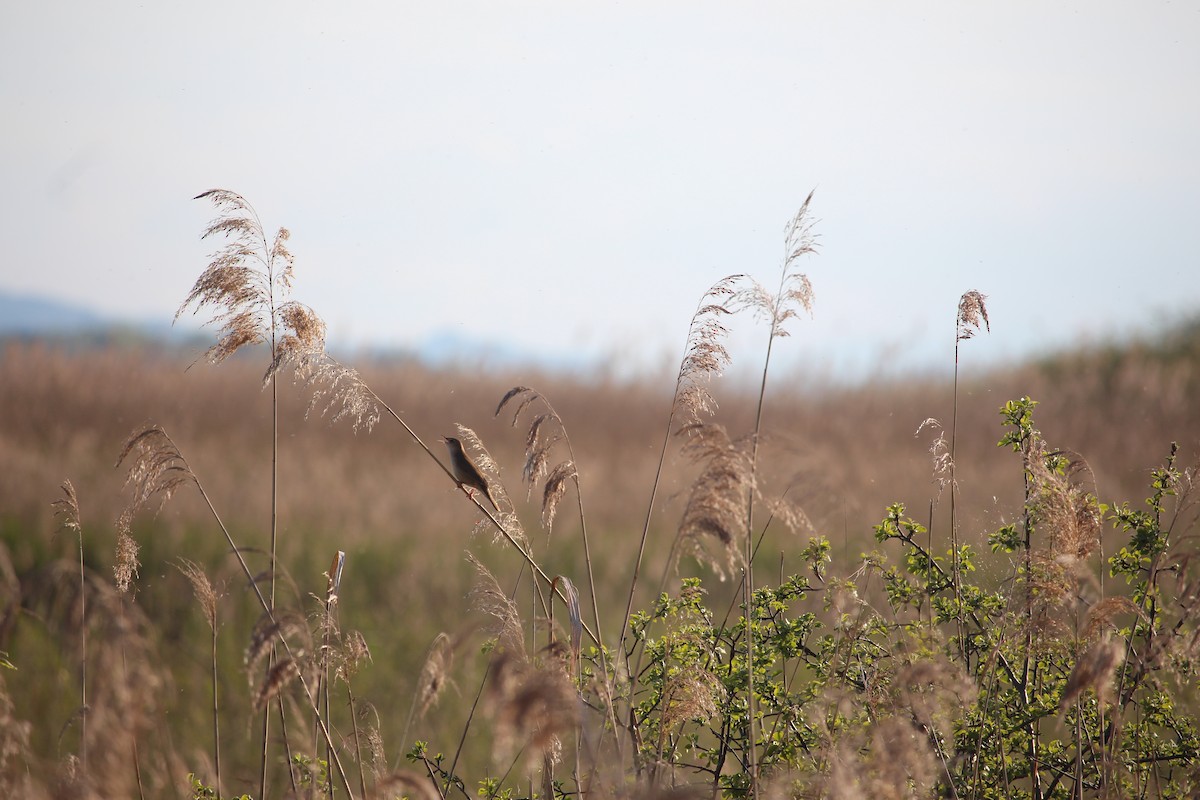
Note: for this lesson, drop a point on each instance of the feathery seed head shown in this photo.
(202, 588)
(157, 467)
(795, 290)
(67, 508)
(717, 499)
(126, 564)
(546, 431)
(939, 451)
(1095, 669)
(242, 280)
(534, 708)
(434, 673)
(487, 597)
(972, 312)
(705, 353)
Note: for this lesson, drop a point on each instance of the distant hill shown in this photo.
(31, 315)
(34, 317)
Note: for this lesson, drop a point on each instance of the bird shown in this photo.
(466, 473)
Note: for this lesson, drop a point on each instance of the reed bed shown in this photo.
(770, 589)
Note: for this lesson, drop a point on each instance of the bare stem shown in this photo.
(216, 725)
(83, 655)
(954, 567)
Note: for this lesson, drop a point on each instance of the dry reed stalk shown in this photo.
(574, 617)
(433, 678)
(505, 628)
(122, 708)
(1101, 615)
(281, 626)
(67, 509)
(158, 468)
(206, 596)
(1066, 509)
(705, 356)
(337, 392)
(689, 695)
(547, 430)
(907, 750)
(939, 452)
(346, 653)
(933, 694)
(435, 674)
(327, 632)
(972, 311)
(1063, 510)
(281, 672)
(375, 748)
(15, 772)
(794, 294)
(243, 285)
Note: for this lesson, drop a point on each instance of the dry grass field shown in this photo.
(843, 455)
(846, 453)
(215, 585)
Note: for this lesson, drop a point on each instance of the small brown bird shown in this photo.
(466, 473)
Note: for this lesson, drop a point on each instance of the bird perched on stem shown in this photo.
(465, 472)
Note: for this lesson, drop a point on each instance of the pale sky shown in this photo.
(569, 178)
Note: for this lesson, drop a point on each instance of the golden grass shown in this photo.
(845, 454)
(841, 455)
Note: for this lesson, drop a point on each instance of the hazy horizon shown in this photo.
(53, 321)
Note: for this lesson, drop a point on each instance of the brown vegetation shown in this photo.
(947, 648)
(843, 455)
(847, 453)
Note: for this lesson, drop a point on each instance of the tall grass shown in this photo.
(244, 284)
(1003, 665)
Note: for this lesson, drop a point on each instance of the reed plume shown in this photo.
(244, 286)
(546, 431)
(156, 470)
(716, 503)
(795, 293)
(1095, 669)
(244, 278)
(705, 356)
(337, 391)
(487, 597)
(406, 783)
